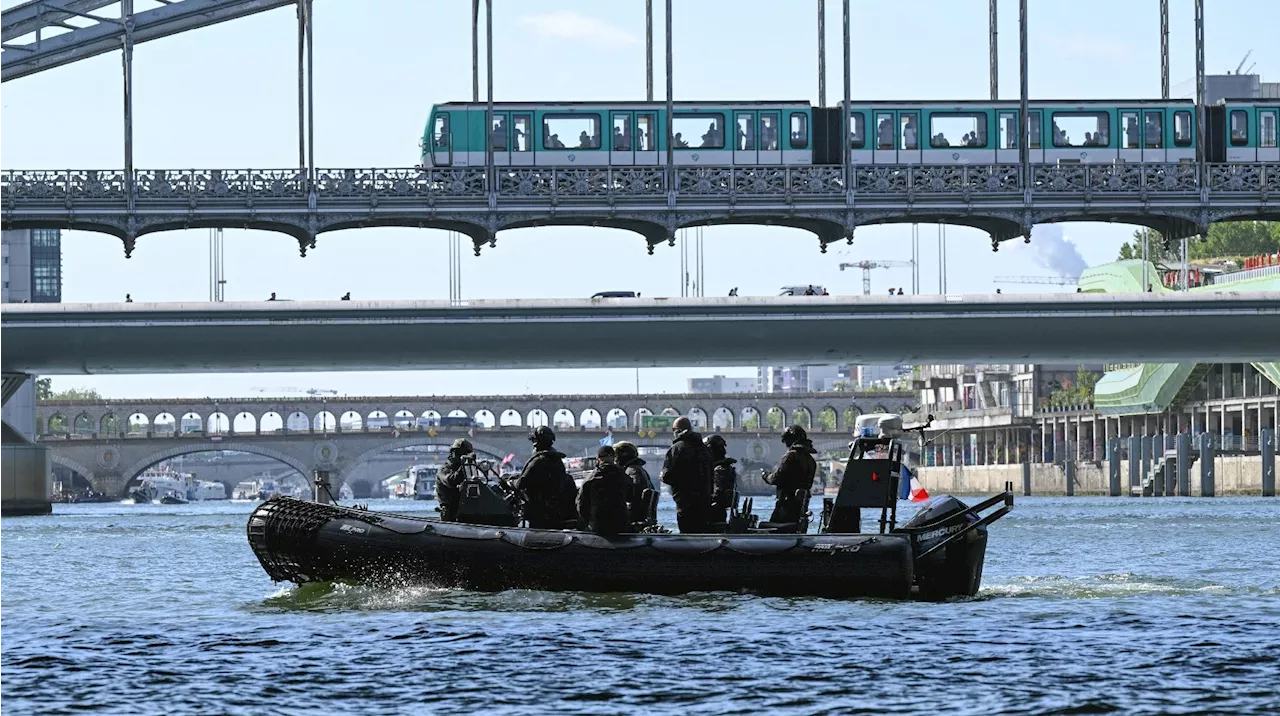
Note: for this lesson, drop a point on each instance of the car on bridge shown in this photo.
(800, 290)
(617, 294)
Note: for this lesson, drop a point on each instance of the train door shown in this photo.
(769, 139)
(500, 138)
(1153, 139)
(1007, 137)
(646, 142)
(909, 125)
(886, 151)
(441, 142)
(1035, 131)
(622, 150)
(744, 139)
(1240, 147)
(521, 139)
(1183, 136)
(1131, 135)
(859, 151)
(1268, 134)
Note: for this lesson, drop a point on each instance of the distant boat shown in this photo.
(173, 498)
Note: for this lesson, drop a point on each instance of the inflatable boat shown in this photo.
(937, 554)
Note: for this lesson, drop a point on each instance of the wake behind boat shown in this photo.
(937, 554)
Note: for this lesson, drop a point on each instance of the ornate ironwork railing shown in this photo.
(613, 184)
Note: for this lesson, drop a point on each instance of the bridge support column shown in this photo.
(1069, 466)
(1026, 479)
(25, 476)
(1267, 443)
(1207, 487)
(1135, 462)
(1183, 465)
(1113, 467)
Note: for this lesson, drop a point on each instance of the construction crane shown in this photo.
(866, 267)
(1055, 280)
(309, 391)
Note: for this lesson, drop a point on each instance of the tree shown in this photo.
(44, 389)
(1227, 239)
(76, 394)
(1158, 249)
(774, 418)
(752, 422)
(1075, 392)
(826, 419)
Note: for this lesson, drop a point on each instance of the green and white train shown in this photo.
(577, 134)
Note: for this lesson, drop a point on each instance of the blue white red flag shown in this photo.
(607, 439)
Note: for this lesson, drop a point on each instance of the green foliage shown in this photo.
(1235, 238)
(44, 389)
(752, 422)
(775, 418)
(801, 417)
(1077, 392)
(76, 394)
(826, 419)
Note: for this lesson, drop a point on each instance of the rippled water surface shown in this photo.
(1089, 605)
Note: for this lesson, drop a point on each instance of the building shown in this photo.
(32, 266)
(1237, 86)
(720, 385)
(826, 378)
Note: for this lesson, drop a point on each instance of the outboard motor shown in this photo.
(949, 545)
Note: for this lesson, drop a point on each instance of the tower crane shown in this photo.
(866, 267)
(1055, 280)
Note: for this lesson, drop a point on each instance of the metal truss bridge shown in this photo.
(1175, 199)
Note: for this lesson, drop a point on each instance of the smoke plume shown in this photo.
(1055, 252)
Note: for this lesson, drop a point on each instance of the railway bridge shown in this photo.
(111, 442)
(1177, 199)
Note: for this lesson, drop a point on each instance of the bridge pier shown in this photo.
(25, 476)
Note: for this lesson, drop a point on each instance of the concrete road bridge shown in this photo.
(111, 442)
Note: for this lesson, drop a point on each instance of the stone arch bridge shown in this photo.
(111, 442)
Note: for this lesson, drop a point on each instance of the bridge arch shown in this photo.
(776, 418)
(484, 418)
(510, 418)
(403, 419)
(563, 419)
(616, 418)
(82, 425)
(70, 464)
(217, 424)
(139, 424)
(109, 424)
(751, 419)
(698, 417)
(271, 423)
(164, 424)
(136, 468)
(324, 421)
(536, 417)
(827, 419)
(722, 419)
(590, 418)
(245, 423)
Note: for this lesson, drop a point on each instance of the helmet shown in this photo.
(462, 446)
(626, 451)
(542, 434)
(716, 445)
(794, 434)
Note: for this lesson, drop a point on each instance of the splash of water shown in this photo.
(1052, 250)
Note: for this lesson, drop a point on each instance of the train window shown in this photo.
(884, 130)
(746, 141)
(621, 132)
(571, 131)
(1033, 129)
(910, 131)
(1008, 130)
(1239, 128)
(645, 125)
(1182, 128)
(857, 131)
(1153, 129)
(522, 124)
(1129, 125)
(699, 131)
(1267, 121)
(799, 130)
(440, 135)
(498, 132)
(1081, 129)
(769, 131)
(958, 129)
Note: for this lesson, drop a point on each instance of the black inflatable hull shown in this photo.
(302, 542)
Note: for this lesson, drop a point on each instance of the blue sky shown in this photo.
(225, 96)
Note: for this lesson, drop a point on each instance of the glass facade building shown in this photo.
(46, 265)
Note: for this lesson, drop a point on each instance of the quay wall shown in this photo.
(1233, 475)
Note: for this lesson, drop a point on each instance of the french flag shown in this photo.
(911, 488)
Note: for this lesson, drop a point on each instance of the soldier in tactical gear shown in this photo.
(549, 494)
(602, 504)
(629, 460)
(687, 469)
(724, 478)
(449, 480)
(795, 472)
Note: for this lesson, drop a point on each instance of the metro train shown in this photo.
(591, 134)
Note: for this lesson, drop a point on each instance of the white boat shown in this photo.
(246, 491)
(423, 478)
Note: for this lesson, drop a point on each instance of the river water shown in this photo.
(1089, 605)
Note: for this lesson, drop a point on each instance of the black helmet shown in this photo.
(794, 434)
(716, 445)
(542, 435)
(626, 451)
(461, 446)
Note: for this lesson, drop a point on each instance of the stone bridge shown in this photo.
(111, 442)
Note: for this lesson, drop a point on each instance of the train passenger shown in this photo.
(621, 142)
(542, 484)
(768, 135)
(498, 136)
(724, 479)
(631, 462)
(795, 472)
(884, 134)
(449, 481)
(687, 469)
(586, 141)
(712, 137)
(553, 142)
(680, 143)
(602, 503)
(909, 133)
